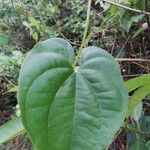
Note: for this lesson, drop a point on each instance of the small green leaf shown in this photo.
(26, 24)
(128, 18)
(137, 82)
(138, 145)
(13, 89)
(137, 32)
(4, 39)
(34, 22)
(35, 36)
(137, 112)
(11, 129)
(137, 98)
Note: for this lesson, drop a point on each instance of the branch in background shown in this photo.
(132, 75)
(135, 61)
(73, 43)
(126, 7)
(132, 59)
(146, 68)
(147, 19)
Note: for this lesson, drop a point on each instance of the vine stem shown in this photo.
(84, 35)
(126, 7)
(129, 128)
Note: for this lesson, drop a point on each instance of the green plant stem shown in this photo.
(133, 129)
(126, 7)
(84, 35)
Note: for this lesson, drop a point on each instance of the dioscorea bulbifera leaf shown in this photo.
(67, 108)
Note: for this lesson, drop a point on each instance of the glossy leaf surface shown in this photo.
(63, 108)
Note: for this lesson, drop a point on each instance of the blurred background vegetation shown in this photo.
(123, 33)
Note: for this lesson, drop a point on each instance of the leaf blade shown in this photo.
(137, 82)
(137, 98)
(65, 105)
(11, 129)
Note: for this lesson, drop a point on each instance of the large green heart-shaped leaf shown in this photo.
(63, 108)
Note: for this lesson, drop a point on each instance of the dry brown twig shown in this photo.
(132, 59)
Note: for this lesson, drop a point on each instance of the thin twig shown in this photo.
(132, 59)
(113, 47)
(73, 43)
(122, 49)
(128, 8)
(147, 19)
(132, 75)
(8, 81)
(147, 69)
(59, 31)
(84, 35)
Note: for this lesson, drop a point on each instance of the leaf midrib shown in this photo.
(94, 95)
(53, 102)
